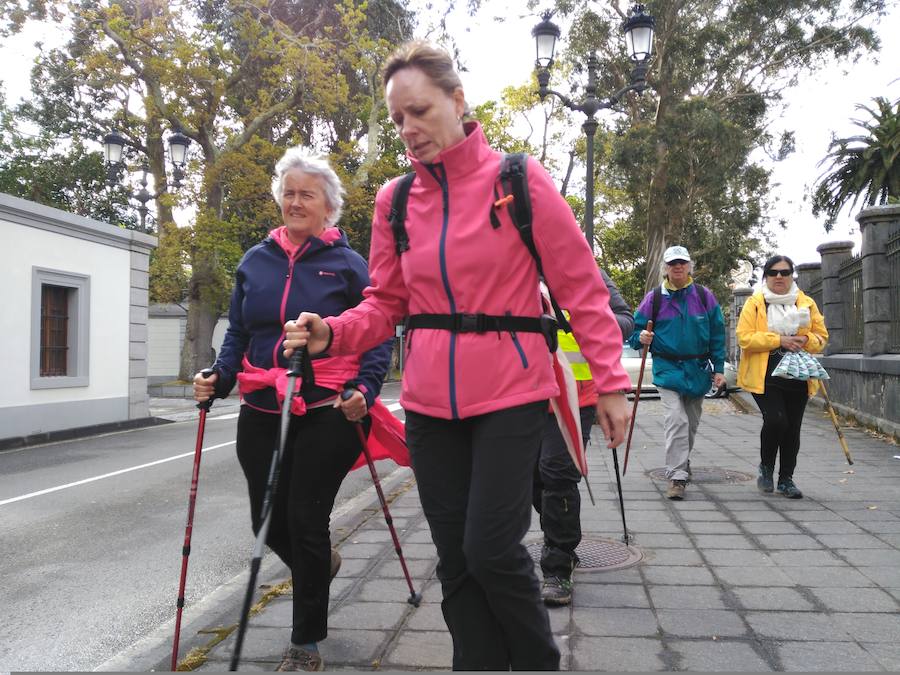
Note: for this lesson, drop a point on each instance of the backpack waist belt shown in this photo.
(681, 357)
(483, 323)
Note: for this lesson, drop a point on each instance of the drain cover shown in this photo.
(597, 554)
(707, 474)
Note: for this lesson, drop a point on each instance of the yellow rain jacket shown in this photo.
(756, 341)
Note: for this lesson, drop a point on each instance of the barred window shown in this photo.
(54, 330)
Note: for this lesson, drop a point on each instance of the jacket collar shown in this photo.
(458, 160)
(331, 236)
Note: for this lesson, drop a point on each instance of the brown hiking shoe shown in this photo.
(676, 489)
(335, 562)
(295, 658)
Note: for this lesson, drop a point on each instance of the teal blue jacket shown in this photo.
(689, 341)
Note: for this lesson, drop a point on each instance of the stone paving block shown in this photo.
(616, 654)
(611, 595)
(370, 537)
(788, 542)
(350, 551)
(828, 577)
(857, 600)
(384, 590)
(772, 599)
(720, 656)
(770, 527)
(753, 576)
(884, 527)
(842, 527)
(806, 559)
(427, 617)
(260, 644)
(757, 516)
(277, 614)
(419, 570)
(851, 541)
(560, 620)
(651, 526)
(672, 556)
(871, 557)
(368, 615)
(687, 597)
(629, 575)
(621, 622)
(707, 541)
(703, 527)
(705, 516)
(352, 647)
(890, 539)
(693, 506)
(421, 649)
(888, 655)
(668, 575)
(663, 541)
(826, 656)
(741, 557)
(701, 623)
(802, 626)
(871, 627)
(887, 577)
(354, 567)
(806, 517)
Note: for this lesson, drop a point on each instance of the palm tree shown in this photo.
(864, 166)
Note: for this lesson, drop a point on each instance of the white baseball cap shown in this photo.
(676, 253)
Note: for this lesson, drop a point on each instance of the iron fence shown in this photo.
(892, 251)
(850, 279)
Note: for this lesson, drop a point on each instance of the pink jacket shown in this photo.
(458, 263)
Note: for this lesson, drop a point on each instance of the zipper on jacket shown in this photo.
(284, 297)
(518, 345)
(441, 178)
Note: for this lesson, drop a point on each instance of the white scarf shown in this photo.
(783, 315)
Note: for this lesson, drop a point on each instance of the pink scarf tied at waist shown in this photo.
(387, 437)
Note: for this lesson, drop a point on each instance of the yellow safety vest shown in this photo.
(569, 346)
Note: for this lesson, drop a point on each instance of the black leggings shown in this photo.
(321, 447)
(474, 478)
(782, 411)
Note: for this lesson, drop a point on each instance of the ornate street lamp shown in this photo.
(114, 150)
(638, 31)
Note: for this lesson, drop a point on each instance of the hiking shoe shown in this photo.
(335, 563)
(676, 489)
(787, 488)
(556, 591)
(764, 480)
(296, 658)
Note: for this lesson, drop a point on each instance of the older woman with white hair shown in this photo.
(305, 265)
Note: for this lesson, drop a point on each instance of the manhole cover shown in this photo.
(597, 554)
(707, 474)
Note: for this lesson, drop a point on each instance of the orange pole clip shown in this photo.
(503, 201)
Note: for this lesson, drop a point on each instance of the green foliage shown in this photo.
(865, 166)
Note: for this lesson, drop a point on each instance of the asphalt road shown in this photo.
(90, 562)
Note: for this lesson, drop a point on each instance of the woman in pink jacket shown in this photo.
(478, 375)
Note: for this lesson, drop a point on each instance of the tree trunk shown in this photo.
(197, 352)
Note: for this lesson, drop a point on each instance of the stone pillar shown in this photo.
(739, 298)
(834, 254)
(877, 225)
(807, 273)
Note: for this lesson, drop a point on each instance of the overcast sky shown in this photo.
(501, 54)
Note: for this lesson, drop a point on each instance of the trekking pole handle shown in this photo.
(345, 396)
(207, 404)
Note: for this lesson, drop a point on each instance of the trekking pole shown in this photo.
(625, 536)
(299, 365)
(189, 528)
(414, 598)
(837, 427)
(637, 397)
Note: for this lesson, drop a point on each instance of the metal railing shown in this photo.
(892, 251)
(850, 280)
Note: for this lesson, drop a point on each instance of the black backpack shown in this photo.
(513, 179)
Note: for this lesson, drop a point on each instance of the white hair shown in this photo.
(664, 269)
(306, 161)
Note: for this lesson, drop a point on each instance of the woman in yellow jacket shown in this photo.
(778, 319)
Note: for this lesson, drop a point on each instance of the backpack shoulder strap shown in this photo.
(397, 216)
(657, 301)
(701, 290)
(514, 179)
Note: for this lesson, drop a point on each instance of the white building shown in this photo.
(73, 330)
(166, 326)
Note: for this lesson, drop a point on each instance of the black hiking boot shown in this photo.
(787, 488)
(764, 480)
(557, 592)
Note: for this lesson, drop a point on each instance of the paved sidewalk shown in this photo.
(730, 579)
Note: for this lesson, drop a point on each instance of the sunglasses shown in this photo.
(775, 273)
(672, 263)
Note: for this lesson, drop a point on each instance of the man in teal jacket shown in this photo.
(688, 348)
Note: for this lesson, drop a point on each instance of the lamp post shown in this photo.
(638, 30)
(114, 150)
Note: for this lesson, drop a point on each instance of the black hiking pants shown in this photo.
(321, 447)
(556, 497)
(475, 483)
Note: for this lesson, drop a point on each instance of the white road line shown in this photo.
(394, 407)
(230, 416)
(108, 475)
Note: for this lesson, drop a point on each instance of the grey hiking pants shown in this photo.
(681, 422)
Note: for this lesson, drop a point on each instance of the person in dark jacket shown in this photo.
(688, 348)
(556, 477)
(305, 265)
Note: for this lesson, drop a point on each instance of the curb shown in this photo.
(204, 621)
